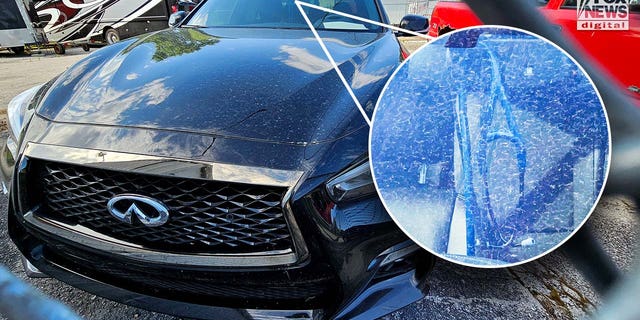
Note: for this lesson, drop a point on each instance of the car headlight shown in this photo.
(17, 111)
(353, 184)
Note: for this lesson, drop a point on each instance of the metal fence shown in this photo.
(18, 300)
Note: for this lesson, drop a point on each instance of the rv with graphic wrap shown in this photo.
(82, 21)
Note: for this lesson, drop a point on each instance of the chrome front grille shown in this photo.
(210, 217)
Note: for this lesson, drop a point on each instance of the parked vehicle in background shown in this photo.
(101, 20)
(16, 29)
(609, 49)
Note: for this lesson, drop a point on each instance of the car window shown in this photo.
(285, 14)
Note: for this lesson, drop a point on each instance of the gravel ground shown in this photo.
(20, 73)
(549, 288)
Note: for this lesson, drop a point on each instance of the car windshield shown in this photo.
(285, 14)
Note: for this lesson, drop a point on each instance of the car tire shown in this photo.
(86, 47)
(59, 49)
(18, 50)
(111, 36)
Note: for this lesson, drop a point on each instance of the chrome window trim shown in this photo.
(167, 167)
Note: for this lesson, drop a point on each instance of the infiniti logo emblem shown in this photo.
(150, 212)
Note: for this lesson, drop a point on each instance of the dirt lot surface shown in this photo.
(549, 288)
(19, 73)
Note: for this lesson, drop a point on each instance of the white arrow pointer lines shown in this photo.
(300, 4)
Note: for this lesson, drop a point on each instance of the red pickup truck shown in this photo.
(613, 50)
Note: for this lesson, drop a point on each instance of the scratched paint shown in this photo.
(489, 147)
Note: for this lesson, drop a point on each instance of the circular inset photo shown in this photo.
(490, 146)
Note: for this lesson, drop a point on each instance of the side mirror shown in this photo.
(176, 18)
(415, 23)
(186, 5)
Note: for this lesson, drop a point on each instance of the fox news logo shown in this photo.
(603, 15)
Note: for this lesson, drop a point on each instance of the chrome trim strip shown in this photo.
(263, 314)
(163, 166)
(300, 246)
(30, 270)
(90, 238)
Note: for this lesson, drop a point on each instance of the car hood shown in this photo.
(264, 84)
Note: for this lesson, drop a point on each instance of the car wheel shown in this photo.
(58, 49)
(18, 50)
(111, 36)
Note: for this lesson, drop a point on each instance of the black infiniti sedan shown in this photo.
(217, 169)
